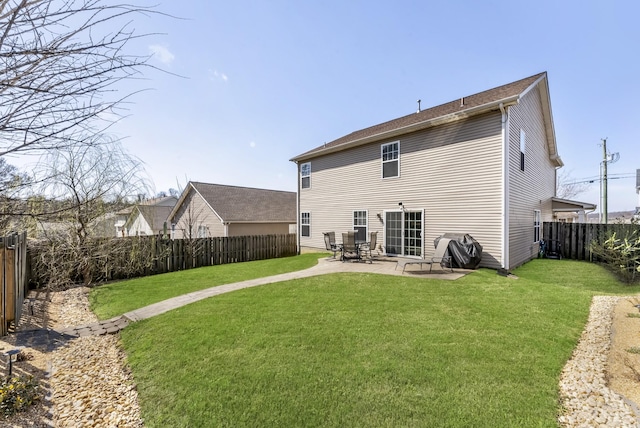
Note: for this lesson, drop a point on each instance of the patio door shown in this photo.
(403, 233)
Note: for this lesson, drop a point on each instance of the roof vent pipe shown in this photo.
(462, 102)
(419, 110)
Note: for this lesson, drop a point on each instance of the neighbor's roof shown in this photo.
(461, 107)
(155, 215)
(236, 204)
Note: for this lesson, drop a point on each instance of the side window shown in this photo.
(390, 159)
(522, 148)
(536, 225)
(305, 175)
(202, 231)
(360, 225)
(305, 224)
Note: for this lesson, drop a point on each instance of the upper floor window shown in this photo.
(390, 160)
(305, 224)
(360, 225)
(305, 175)
(522, 147)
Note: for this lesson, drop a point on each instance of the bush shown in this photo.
(17, 394)
(621, 254)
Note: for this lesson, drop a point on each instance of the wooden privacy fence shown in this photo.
(575, 238)
(13, 278)
(107, 259)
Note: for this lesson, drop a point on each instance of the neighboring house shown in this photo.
(205, 210)
(484, 164)
(564, 211)
(150, 217)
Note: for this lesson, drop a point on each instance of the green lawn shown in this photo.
(369, 350)
(116, 298)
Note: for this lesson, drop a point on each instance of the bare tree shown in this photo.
(61, 61)
(567, 187)
(87, 183)
(12, 185)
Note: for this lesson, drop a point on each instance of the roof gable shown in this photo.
(235, 204)
(453, 110)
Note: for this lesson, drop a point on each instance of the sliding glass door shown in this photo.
(403, 233)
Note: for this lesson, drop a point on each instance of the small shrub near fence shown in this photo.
(616, 246)
(107, 259)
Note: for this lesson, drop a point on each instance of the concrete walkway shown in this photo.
(324, 266)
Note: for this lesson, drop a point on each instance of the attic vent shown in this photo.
(462, 102)
(419, 110)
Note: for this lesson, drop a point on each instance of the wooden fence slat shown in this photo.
(576, 238)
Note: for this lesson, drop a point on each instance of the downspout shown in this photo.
(505, 184)
(298, 206)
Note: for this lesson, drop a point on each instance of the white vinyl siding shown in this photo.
(532, 189)
(452, 172)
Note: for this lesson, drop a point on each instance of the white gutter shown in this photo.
(505, 186)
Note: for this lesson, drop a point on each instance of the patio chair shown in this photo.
(438, 257)
(349, 247)
(368, 247)
(330, 243)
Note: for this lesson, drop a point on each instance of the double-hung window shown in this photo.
(360, 225)
(523, 139)
(390, 159)
(305, 224)
(305, 175)
(536, 225)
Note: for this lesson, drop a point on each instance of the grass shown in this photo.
(116, 298)
(369, 350)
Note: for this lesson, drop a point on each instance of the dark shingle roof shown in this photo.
(459, 105)
(246, 204)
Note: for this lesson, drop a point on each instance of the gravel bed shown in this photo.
(85, 381)
(586, 399)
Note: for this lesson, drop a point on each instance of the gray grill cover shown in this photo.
(465, 252)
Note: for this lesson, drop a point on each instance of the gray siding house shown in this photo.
(483, 164)
(206, 210)
(150, 217)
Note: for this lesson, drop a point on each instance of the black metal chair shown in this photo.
(349, 247)
(368, 247)
(330, 243)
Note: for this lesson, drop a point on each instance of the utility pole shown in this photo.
(604, 208)
(606, 159)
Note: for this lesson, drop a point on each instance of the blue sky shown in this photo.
(267, 80)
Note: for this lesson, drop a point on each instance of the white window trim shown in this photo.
(523, 147)
(537, 226)
(366, 221)
(382, 162)
(305, 224)
(305, 176)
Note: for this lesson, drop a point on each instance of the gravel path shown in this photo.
(87, 383)
(585, 397)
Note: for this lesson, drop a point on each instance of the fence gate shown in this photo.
(13, 280)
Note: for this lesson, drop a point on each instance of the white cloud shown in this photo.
(161, 53)
(252, 144)
(217, 75)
